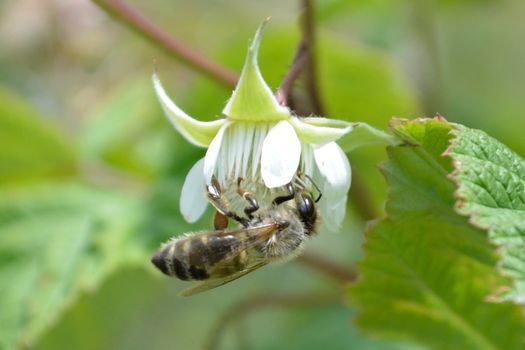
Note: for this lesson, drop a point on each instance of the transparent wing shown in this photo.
(238, 241)
(213, 283)
(246, 239)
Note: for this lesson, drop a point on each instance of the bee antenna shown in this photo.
(316, 187)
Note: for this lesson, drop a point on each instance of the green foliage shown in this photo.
(428, 272)
(29, 147)
(136, 310)
(491, 190)
(56, 240)
(58, 236)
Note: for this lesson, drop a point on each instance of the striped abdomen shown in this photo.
(201, 256)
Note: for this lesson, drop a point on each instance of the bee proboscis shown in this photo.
(221, 256)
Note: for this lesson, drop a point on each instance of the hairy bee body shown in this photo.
(217, 254)
(194, 256)
(274, 232)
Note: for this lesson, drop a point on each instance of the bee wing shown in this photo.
(250, 237)
(247, 238)
(213, 283)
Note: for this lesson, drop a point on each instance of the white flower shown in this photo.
(262, 140)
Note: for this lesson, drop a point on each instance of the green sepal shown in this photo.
(252, 99)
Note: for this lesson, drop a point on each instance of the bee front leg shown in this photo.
(221, 206)
(249, 197)
(289, 196)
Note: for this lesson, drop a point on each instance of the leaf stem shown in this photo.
(134, 20)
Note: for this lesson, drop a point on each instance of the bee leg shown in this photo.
(216, 199)
(289, 196)
(220, 221)
(249, 197)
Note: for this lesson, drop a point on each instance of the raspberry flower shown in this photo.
(260, 140)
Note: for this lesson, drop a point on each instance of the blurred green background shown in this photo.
(90, 170)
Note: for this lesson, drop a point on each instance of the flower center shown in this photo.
(240, 153)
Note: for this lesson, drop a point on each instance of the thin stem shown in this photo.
(359, 194)
(327, 267)
(134, 20)
(237, 312)
(298, 63)
(311, 81)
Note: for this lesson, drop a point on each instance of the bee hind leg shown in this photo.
(221, 207)
(249, 197)
(220, 221)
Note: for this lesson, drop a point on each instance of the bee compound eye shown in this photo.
(306, 206)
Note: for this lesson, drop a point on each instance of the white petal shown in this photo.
(240, 135)
(332, 214)
(193, 200)
(334, 166)
(258, 139)
(336, 176)
(210, 160)
(197, 132)
(280, 157)
(248, 148)
(307, 157)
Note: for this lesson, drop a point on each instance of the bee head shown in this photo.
(307, 211)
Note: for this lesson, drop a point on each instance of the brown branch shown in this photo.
(134, 20)
(312, 85)
(244, 307)
(359, 194)
(298, 63)
(327, 267)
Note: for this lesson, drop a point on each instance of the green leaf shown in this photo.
(428, 273)
(30, 147)
(491, 191)
(56, 240)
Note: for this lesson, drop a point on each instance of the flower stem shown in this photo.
(134, 20)
(298, 63)
(311, 81)
(359, 193)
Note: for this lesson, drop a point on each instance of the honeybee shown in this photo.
(265, 235)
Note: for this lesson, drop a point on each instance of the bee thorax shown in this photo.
(286, 242)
